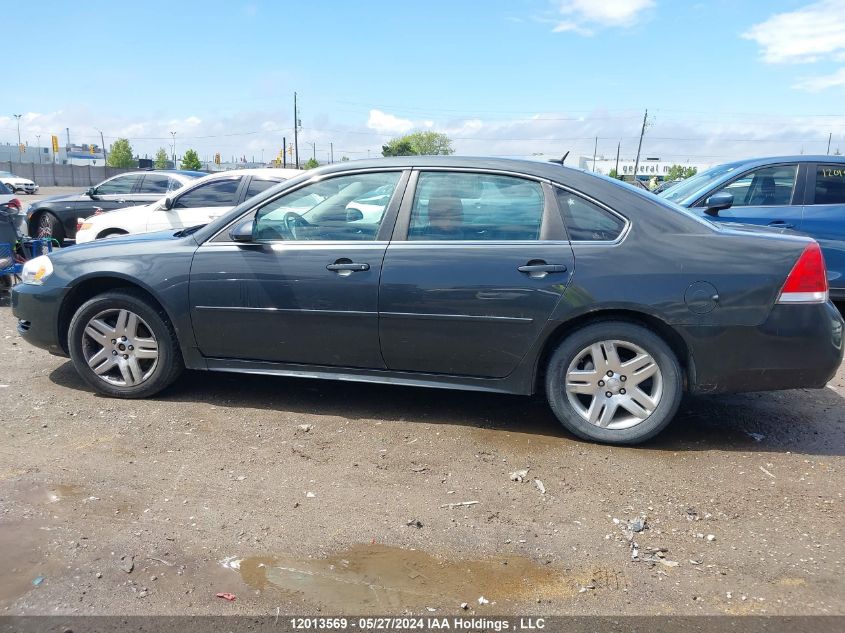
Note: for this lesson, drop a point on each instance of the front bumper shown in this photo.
(37, 310)
(798, 346)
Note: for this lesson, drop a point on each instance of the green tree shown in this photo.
(418, 143)
(311, 163)
(344, 159)
(190, 160)
(161, 160)
(614, 174)
(120, 154)
(679, 172)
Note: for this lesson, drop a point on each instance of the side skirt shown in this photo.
(437, 381)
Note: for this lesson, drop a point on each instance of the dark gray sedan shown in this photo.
(483, 274)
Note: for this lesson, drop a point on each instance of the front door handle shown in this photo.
(539, 269)
(781, 224)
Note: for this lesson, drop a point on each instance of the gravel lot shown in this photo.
(316, 496)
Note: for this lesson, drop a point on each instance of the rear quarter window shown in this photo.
(830, 184)
(588, 222)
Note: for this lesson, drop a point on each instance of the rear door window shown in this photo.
(118, 185)
(830, 184)
(476, 207)
(257, 185)
(155, 183)
(217, 193)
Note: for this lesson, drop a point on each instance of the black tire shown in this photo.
(573, 347)
(48, 225)
(164, 370)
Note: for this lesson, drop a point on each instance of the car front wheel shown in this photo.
(614, 382)
(123, 345)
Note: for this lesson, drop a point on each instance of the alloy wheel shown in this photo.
(45, 225)
(614, 384)
(120, 348)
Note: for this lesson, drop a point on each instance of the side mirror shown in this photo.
(717, 202)
(353, 215)
(242, 232)
(91, 192)
(168, 203)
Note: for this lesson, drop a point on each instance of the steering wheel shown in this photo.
(293, 221)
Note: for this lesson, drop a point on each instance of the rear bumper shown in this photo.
(37, 310)
(798, 346)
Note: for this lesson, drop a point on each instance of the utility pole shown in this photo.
(616, 170)
(103, 145)
(284, 152)
(595, 148)
(38, 141)
(829, 136)
(640, 146)
(173, 135)
(296, 130)
(314, 150)
(331, 155)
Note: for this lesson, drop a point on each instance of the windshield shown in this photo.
(688, 187)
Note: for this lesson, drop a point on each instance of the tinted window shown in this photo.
(155, 183)
(119, 184)
(257, 185)
(588, 222)
(466, 206)
(767, 186)
(830, 184)
(173, 184)
(4, 190)
(343, 208)
(218, 193)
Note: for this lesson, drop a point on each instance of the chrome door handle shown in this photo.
(542, 268)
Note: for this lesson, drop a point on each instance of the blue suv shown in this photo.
(805, 194)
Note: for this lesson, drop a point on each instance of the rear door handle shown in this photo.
(341, 266)
(542, 270)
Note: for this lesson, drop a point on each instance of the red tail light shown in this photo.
(807, 283)
(14, 203)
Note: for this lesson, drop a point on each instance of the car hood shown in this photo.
(17, 179)
(64, 198)
(122, 245)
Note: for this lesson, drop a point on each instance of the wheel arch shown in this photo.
(112, 230)
(671, 336)
(89, 287)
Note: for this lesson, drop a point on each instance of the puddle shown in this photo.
(53, 494)
(379, 578)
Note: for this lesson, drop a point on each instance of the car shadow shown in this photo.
(801, 421)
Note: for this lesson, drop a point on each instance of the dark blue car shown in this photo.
(804, 194)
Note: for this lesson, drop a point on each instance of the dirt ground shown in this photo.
(309, 496)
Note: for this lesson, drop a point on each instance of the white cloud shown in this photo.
(822, 82)
(388, 123)
(806, 35)
(582, 16)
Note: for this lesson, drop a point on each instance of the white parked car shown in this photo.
(16, 183)
(196, 203)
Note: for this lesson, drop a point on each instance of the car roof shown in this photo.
(267, 172)
(794, 158)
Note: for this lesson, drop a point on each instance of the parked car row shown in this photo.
(490, 275)
(17, 184)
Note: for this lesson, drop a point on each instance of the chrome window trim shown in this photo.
(625, 230)
(304, 183)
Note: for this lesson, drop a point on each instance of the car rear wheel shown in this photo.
(48, 226)
(124, 346)
(614, 382)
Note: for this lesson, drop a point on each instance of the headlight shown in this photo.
(36, 270)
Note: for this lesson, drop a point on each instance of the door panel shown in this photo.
(479, 265)
(824, 218)
(305, 289)
(279, 302)
(466, 309)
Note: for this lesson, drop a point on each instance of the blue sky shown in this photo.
(521, 77)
